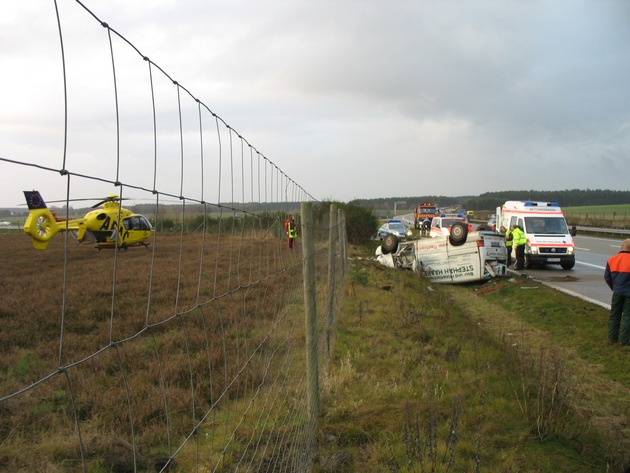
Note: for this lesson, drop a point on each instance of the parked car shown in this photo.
(441, 226)
(394, 227)
(492, 222)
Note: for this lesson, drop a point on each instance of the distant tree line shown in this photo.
(387, 203)
(566, 198)
(491, 200)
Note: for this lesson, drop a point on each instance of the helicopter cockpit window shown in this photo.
(137, 222)
(144, 223)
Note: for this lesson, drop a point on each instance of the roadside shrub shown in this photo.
(361, 223)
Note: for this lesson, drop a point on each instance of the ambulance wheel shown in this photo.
(390, 244)
(568, 264)
(527, 263)
(459, 233)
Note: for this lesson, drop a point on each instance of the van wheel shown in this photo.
(527, 262)
(390, 244)
(568, 265)
(459, 233)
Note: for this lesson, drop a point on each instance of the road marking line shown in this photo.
(580, 296)
(591, 265)
(582, 249)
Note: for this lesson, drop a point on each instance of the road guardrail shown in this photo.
(608, 231)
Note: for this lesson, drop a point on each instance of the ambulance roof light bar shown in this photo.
(541, 204)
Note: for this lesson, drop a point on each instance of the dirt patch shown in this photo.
(567, 278)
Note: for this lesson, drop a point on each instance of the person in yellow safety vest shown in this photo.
(519, 240)
(508, 244)
(291, 231)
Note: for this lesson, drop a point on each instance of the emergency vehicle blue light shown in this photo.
(442, 215)
(536, 204)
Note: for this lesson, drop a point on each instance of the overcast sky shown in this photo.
(350, 99)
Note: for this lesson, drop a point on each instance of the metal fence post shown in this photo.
(310, 307)
(332, 250)
(343, 243)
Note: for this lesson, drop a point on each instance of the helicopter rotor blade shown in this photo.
(68, 200)
(100, 199)
(110, 199)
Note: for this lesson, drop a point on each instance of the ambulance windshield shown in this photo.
(546, 225)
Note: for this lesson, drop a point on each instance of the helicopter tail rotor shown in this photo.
(40, 225)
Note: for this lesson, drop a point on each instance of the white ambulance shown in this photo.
(460, 257)
(549, 240)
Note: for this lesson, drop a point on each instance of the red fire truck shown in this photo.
(422, 211)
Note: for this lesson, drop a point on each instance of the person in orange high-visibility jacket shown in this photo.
(617, 276)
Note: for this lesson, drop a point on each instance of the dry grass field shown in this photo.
(111, 360)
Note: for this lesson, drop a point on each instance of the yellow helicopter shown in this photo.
(108, 227)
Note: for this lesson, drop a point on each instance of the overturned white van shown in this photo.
(459, 258)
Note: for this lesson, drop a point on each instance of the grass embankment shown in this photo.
(509, 376)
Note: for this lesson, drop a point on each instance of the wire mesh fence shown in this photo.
(184, 349)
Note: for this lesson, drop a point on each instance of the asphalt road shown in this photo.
(586, 279)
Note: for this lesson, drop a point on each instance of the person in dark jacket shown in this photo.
(508, 244)
(426, 226)
(617, 276)
(291, 231)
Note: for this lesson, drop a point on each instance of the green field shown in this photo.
(599, 215)
(605, 210)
